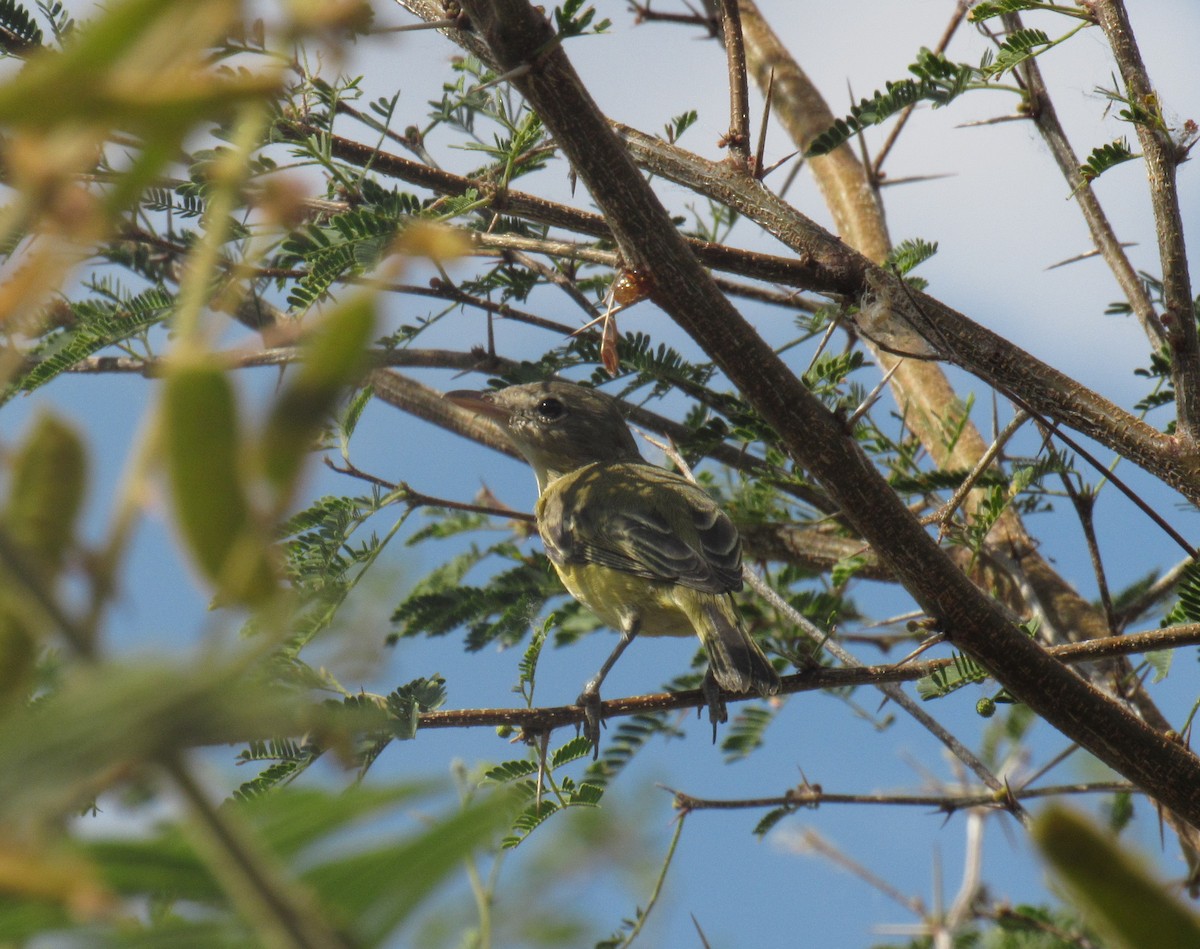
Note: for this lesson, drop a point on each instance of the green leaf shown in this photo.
(332, 358)
(411, 699)
(96, 324)
(680, 124)
(1160, 661)
(1105, 157)
(575, 749)
(296, 820)
(770, 819)
(205, 466)
(47, 483)
(109, 719)
(1018, 46)
(910, 254)
(745, 733)
(1115, 892)
(846, 568)
(1187, 610)
(508, 771)
(939, 81)
(941, 682)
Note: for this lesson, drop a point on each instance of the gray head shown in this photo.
(557, 426)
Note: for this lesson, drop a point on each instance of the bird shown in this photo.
(645, 549)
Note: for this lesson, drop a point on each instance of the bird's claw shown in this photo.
(717, 712)
(589, 701)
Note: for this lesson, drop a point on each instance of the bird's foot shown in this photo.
(717, 713)
(589, 701)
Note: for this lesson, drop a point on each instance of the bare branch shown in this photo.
(812, 796)
(1162, 157)
(738, 137)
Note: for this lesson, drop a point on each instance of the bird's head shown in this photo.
(557, 426)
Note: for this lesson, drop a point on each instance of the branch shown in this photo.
(1162, 157)
(738, 136)
(537, 720)
(813, 796)
(785, 270)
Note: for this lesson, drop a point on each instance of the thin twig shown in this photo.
(1045, 117)
(760, 149)
(946, 514)
(1084, 503)
(811, 840)
(536, 720)
(956, 18)
(656, 892)
(813, 796)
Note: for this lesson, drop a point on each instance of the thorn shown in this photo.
(871, 399)
(759, 174)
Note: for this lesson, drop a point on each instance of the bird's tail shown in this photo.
(736, 661)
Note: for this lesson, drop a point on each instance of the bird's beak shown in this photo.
(480, 403)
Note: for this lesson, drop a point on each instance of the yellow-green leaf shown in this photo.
(17, 653)
(1116, 894)
(332, 358)
(205, 466)
(48, 479)
(140, 64)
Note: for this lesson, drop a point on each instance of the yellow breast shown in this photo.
(615, 597)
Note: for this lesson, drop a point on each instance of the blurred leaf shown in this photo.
(51, 875)
(293, 819)
(1112, 889)
(433, 240)
(204, 461)
(108, 718)
(46, 488)
(141, 65)
(49, 472)
(374, 892)
(332, 358)
(164, 864)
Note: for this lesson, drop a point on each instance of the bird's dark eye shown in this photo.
(550, 409)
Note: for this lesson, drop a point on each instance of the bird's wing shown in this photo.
(642, 520)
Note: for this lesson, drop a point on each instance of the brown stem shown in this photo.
(929, 322)
(810, 680)
(738, 137)
(785, 270)
(813, 796)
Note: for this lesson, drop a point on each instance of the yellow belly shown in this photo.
(616, 597)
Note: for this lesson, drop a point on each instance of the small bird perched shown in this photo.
(643, 548)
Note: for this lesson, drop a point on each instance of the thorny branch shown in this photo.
(537, 720)
(1162, 156)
